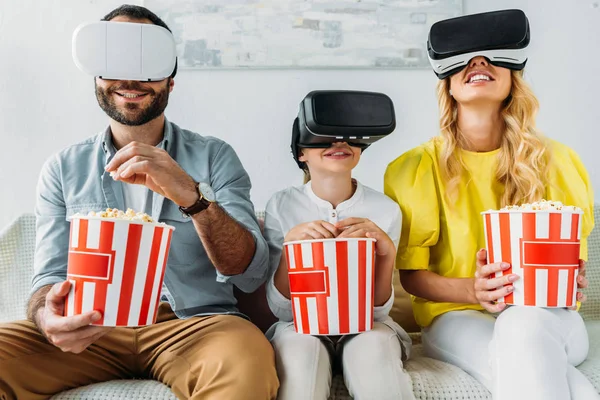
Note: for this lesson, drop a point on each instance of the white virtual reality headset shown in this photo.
(500, 36)
(124, 51)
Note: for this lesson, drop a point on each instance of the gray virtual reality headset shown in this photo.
(329, 116)
(124, 51)
(500, 36)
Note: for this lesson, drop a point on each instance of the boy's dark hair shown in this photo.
(139, 12)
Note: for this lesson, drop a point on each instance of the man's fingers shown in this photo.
(144, 167)
(59, 291)
(133, 160)
(71, 339)
(130, 150)
(63, 324)
(55, 298)
(77, 342)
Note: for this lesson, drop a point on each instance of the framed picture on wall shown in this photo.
(217, 34)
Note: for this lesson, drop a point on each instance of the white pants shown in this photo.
(525, 353)
(371, 363)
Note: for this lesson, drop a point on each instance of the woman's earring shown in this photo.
(450, 92)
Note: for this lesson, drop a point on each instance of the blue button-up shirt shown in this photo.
(74, 180)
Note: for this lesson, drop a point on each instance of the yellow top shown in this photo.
(444, 238)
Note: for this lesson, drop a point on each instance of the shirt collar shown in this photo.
(109, 148)
(356, 197)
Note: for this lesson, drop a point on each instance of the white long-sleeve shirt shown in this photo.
(297, 205)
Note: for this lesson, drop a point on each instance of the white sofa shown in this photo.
(432, 379)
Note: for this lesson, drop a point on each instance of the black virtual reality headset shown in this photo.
(124, 51)
(500, 36)
(329, 116)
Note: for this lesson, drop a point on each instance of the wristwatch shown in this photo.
(206, 197)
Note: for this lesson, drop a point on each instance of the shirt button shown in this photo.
(333, 217)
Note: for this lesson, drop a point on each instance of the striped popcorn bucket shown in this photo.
(542, 247)
(331, 285)
(117, 267)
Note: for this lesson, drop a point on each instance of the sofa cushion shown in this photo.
(119, 389)
(590, 309)
(591, 366)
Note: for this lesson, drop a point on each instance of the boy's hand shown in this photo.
(363, 227)
(312, 230)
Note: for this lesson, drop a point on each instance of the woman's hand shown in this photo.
(487, 289)
(582, 283)
(362, 227)
(312, 230)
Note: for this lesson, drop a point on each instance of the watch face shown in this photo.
(207, 192)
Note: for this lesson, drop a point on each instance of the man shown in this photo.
(200, 345)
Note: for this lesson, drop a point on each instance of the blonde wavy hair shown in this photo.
(523, 157)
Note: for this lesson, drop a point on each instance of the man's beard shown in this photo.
(142, 115)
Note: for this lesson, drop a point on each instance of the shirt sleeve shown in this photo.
(231, 184)
(382, 312)
(52, 229)
(395, 228)
(576, 189)
(409, 180)
(278, 303)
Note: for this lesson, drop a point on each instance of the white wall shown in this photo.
(47, 104)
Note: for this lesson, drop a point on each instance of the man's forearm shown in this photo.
(228, 244)
(36, 303)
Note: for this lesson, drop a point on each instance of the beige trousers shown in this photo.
(216, 357)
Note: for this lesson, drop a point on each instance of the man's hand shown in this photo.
(363, 227)
(70, 334)
(142, 164)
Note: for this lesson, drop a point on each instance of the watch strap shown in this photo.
(200, 205)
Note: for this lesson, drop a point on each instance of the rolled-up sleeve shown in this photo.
(409, 180)
(382, 312)
(231, 184)
(52, 229)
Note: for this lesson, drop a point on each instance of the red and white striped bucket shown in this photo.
(117, 267)
(331, 285)
(542, 247)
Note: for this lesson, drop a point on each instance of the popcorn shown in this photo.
(113, 213)
(542, 205)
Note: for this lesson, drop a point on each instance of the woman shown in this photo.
(332, 204)
(489, 155)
